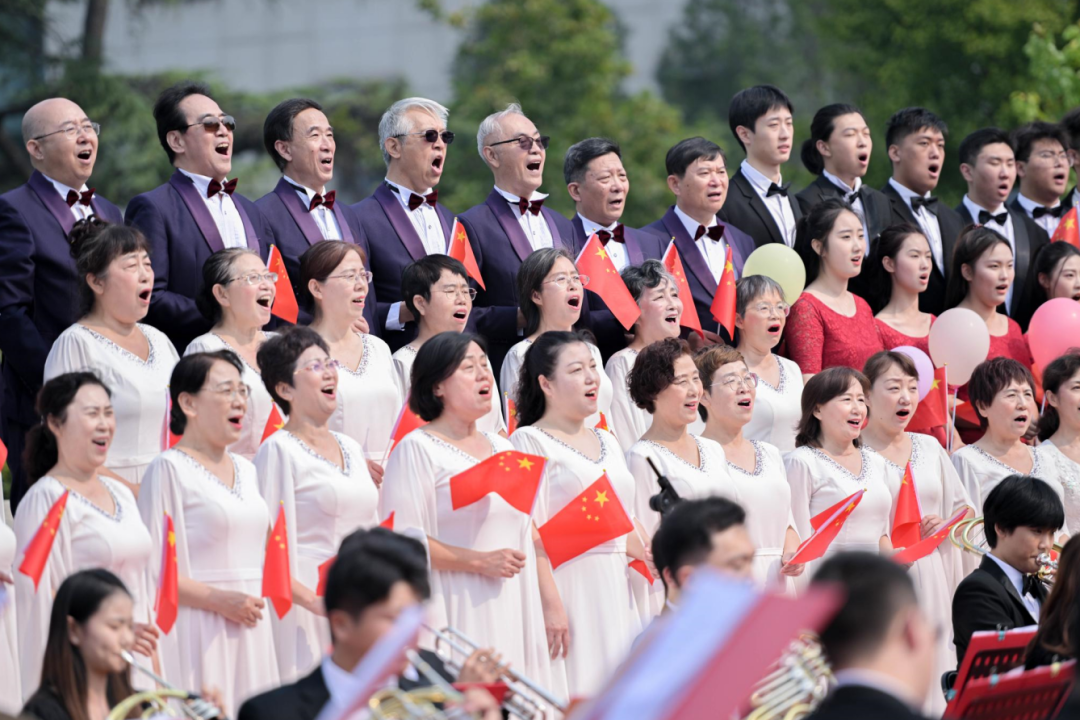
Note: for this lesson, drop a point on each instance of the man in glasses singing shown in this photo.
(197, 212)
(35, 258)
(403, 214)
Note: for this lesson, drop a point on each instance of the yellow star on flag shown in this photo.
(729, 268)
(601, 497)
(525, 463)
(601, 253)
(1069, 223)
(935, 384)
(172, 539)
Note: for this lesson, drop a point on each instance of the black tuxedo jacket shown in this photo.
(987, 600)
(746, 210)
(932, 300)
(876, 206)
(858, 702)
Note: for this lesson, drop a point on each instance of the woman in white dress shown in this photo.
(236, 296)
(437, 293)
(485, 578)
(100, 526)
(755, 467)
(594, 587)
(10, 684)
(222, 637)
(550, 295)
(760, 316)
(335, 286)
(1059, 428)
(892, 401)
(132, 359)
(318, 476)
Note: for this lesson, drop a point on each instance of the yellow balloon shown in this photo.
(780, 263)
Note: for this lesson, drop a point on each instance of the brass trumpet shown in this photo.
(421, 703)
(801, 679)
(192, 706)
(961, 537)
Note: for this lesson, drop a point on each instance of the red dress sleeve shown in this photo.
(805, 336)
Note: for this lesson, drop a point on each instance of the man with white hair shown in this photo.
(511, 223)
(38, 284)
(403, 217)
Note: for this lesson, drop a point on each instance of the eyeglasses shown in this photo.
(780, 308)
(74, 131)
(319, 366)
(432, 135)
(1051, 155)
(749, 380)
(564, 281)
(211, 124)
(353, 277)
(526, 143)
(231, 391)
(255, 278)
(455, 292)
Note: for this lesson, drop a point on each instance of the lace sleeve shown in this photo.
(805, 336)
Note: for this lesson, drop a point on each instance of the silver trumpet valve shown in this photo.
(192, 705)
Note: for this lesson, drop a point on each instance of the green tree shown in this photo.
(1053, 87)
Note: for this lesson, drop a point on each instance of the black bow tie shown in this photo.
(416, 201)
(618, 235)
(852, 197)
(930, 203)
(1000, 218)
(1031, 586)
(83, 198)
(1040, 211)
(715, 232)
(775, 189)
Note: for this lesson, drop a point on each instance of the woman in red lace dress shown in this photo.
(829, 325)
(901, 263)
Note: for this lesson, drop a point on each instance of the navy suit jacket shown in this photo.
(745, 209)
(182, 236)
(702, 283)
(295, 231)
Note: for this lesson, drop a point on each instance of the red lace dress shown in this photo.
(819, 337)
(1013, 345)
(893, 338)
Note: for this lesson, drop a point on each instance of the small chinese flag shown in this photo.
(461, 250)
(37, 552)
(605, 281)
(1068, 230)
(168, 592)
(407, 422)
(602, 423)
(273, 423)
(511, 414)
(908, 517)
(924, 547)
(514, 476)
(826, 529)
(168, 440)
(723, 304)
(3, 454)
(277, 581)
(933, 410)
(641, 567)
(673, 263)
(284, 299)
(388, 523)
(594, 517)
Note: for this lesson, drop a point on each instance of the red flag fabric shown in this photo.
(933, 410)
(407, 422)
(641, 567)
(602, 423)
(388, 523)
(514, 476)
(511, 415)
(1068, 230)
(285, 306)
(823, 517)
(277, 580)
(37, 552)
(273, 423)
(723, 304)
(966, 411)
(815, 546)
(923, 548)
(673, 263)
(605, 281)
(168, 590)
(908, 518)
(3, 454)
(324, 570)
(461, 249)
(595, 517)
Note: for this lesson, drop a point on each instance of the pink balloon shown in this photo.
(1054, 328)
(960, 339)
(922, 364)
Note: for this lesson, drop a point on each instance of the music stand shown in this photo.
(991, 652)
(1034, 694)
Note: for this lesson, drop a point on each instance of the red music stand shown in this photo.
(1032, 695)
(991, 652)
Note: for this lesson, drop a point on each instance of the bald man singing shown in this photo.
(38, 288)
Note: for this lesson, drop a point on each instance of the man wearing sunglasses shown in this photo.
(404, 213)
(197, 212)
(512, 223)
(35, 258)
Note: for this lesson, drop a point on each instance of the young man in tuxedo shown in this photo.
(988, 164)
(915, 138)
(1070, 123)
(299, 139)
(1042, 164)
(404, 213)
(38, 282)
(759, 203)
(197, 212)
(597, 182)
(1021, 517)
(880, 644)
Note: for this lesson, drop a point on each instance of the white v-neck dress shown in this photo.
(11, 695)
(404, 358)
(369, 400)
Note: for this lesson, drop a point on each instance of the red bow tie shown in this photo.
(82, 198)
(215, 187)
(327, 200)
(531, 206)
(416, 201)
(715, 232)
(617, 235)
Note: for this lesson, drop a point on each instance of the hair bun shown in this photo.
(85, 230)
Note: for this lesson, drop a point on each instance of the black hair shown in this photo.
(887, 245)
(822, 128)
(972, 145)
(1021, 501)
(94, 245)
(318, 261)
(909, 121)
(1024, 137)
(1047, 259)
(654, 371)
(993, 376)
(419, 277)
(1057, 373)
(540, 359)
(686, 532)
(1071, 124)
(582, 153)
(683, 154)
(974, 241)
(167, 112)
(437, 360)
(823, 387)
(750, 104)
(277, 358)
(56, 395)
(189, 375)
(816, 225)
(530, 279)
(217, 270)
(646, 276)
(279, 125)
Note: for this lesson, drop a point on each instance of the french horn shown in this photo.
(798, 682)
(962, 536)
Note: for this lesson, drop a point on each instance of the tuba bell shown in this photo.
(799, 681)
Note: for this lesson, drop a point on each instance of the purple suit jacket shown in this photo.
(295, 231)
(702, 282)
(182, 235)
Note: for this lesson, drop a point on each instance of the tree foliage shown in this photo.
(1054, 70)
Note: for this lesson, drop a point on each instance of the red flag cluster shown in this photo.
(922, 548)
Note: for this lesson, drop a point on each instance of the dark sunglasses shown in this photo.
(432, 135)
(525, 142)
(211, 124)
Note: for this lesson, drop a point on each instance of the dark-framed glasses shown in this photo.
(525, 142)
(432, 135)
(73, 131)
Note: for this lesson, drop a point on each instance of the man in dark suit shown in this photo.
(511, 223)
(1021, 517)
(38, 284)
(196, 212)
(988, 165)
(1071, 125)
(759, 203)
(597, 181)
(403, 214)
(299, 139)
(880, 644)
(697, 175)
(916, 141)
(1042, 164)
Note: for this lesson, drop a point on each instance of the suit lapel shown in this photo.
(300, 214)
(558, 240)
(400, 222)
(758, 206)
(313, 691)
(249, 228)
(899, 205)
(1023, 244)
(447, 219)
(195, 205)
(998, 574)
(633, 249)
(501, 209)
(52, 201)
(688, 250)
(343, 224)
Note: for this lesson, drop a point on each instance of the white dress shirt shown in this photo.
(1006, 230)
(535, 227)
(856, 204)
(1076, 197)
(616, 251)
(322, 215)
(223, 211)
(714, 251)
(80, 211)
(1048, 223)
(1017, 579)
(927, 221)
(778, 205)
(425, 220)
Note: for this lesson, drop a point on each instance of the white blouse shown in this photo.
(490, 423)
(777, 410)
(369, 399)
(515, 358)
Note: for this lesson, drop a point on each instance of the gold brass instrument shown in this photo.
(962, 537)
(525, 699)
(421, 703)
(800, 680)
(191, 705)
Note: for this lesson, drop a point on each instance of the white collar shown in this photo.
(513, 199)
(1030, 205)
(62, 188)
(1015, 576)
(338, 680)
(202, 182)
(403, 193)
(756, 178)
(974, 209)
(591, 227)
(301, 188)
(877, 681)
(905, 192)
(690, 223)
(840, 183)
